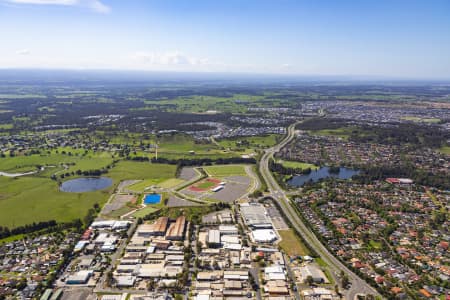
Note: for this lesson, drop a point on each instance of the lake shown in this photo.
(322, 173)
(81, 185)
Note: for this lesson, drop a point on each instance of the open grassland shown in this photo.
(253, 142)
(90, 161)
(6, 126)
(144, 211)
(31, 199)
(140, 186)
(225, 170)
(170, 183)
(419, 119)
(445, 150)
(127, 170)
(36, 198)
(297, 165)
(203, 104)
(343, 132)
(291, 244)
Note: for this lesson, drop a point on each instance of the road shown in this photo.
(100, 287)
(358, 286)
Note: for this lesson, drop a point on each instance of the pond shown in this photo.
(152, 199)
(322, 173)
(81, 185)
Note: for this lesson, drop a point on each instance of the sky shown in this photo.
(387, 38)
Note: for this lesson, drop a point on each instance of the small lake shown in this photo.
(152, 199)
(81, 185)
(322, 173)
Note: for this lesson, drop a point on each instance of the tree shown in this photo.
(345, 281)
(309, 280)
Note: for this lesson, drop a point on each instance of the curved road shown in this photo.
(358, 286)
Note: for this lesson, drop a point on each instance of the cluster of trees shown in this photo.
(6, 232)
(370, 173)
(197, 161)
(42, 227)
(413, 135)
(280, 169)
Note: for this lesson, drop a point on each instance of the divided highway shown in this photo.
(358, 286)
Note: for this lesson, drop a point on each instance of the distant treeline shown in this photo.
(196, 162)
(370, 173)
(46, 226)
(413, 135)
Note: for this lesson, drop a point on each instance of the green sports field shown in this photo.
(225, 170)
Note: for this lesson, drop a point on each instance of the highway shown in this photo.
(358, 286)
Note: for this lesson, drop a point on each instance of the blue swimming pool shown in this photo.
(152, 199)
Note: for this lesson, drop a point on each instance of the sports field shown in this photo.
(204, 185)
(225, 170)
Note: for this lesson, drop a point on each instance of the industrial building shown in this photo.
(176, 230)
(264, 236)
(255, 216)
(158, 228)
(312, 270)
(213, 238)
(81, 277)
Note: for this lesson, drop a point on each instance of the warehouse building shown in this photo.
(158, 228)
(255, 216)
(81, 277)
(312, 270)
(176, 230)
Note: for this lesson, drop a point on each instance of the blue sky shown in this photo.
(393, 38)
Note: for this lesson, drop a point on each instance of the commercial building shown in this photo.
(255, 216)
(158, 228)
(81, 277)
(213, 238)
(312, 270)
(264, 236)
(176, 230)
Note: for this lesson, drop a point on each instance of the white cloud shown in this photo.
(95, 5)
(174, 58)
(23, 52)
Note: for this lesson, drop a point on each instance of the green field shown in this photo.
(30, 199)
(445, 150)
(144, 211)
(343, 132)
(170, 183)
(418, 119)
(297, 165)
(291, 244)
(205, 184)
(204, 104)
(91, 161)
(124, 170)
(374, 245)
(225, 170)
(6, 126)
(163, 182)
(253, 142)
(142, 185)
